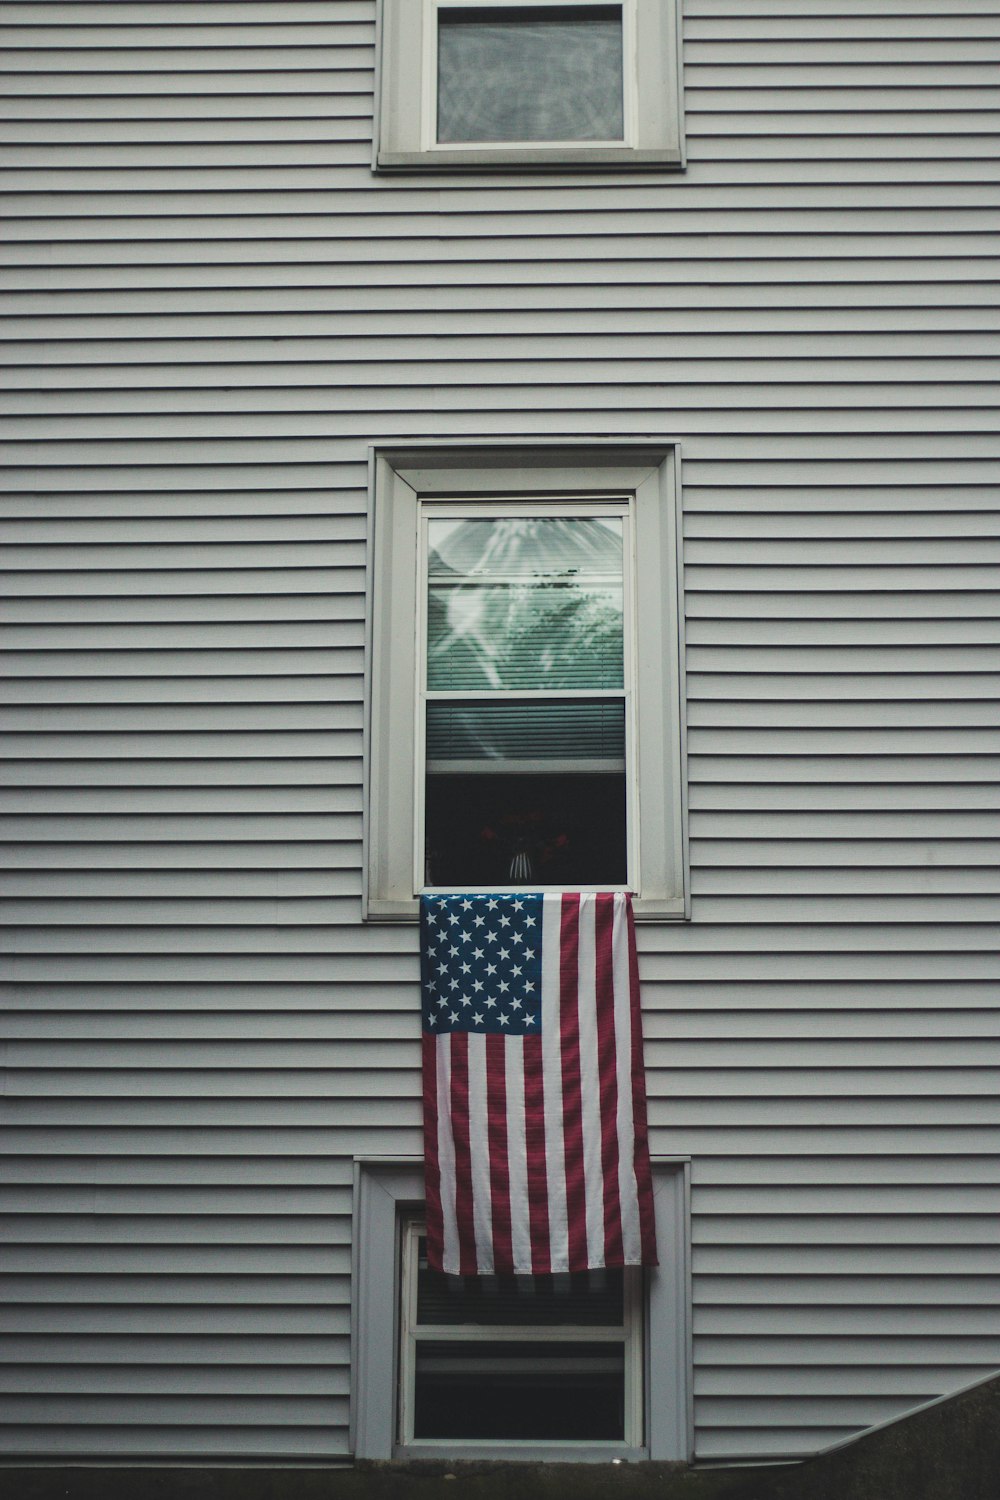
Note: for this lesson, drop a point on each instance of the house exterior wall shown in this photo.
(216, 309)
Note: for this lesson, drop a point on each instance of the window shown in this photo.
(525, 693)
(466, 83)
(588, 1367)
(518, 1358)
(525, 726)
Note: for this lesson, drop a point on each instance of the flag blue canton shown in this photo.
(481, 964)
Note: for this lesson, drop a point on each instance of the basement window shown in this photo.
(577, 1368)
(518, 1359)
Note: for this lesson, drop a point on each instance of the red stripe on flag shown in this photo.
(432, 1169)
(468, 1265)
(643, 1176)
(569, 1035)
(607, 1066)
(496, 1118)
(534, 1137)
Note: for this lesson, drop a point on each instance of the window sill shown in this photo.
(649, 909)
(521, 1452)
(531, 159)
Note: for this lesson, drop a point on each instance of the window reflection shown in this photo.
(538, 73)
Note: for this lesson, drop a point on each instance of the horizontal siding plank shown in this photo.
(327, 245)
(850, 1291)
(372, 351)
(778, 1444)
(376, 996)
(950, 151)
(881, 881)
(307, 854)
(751, 1139)
(956, 1065)
(848, 1203)
(278, 797)
(881, 1229)
(97, 1342)
(303, 660)
(705, 382)
(107, 1229)
(170, 1409)
(782, 403)
(392, 1018)
(747, 766)
(911, 1387)
(178, 12)
(150, 960)
(297, 910)
(687, 1072)
(901, 1108)
(112, 1302)
(184, 30)
(95, 1440)
(795, 9)
(232, 60)
(905, 312)
(277, 1384)
(758, 942)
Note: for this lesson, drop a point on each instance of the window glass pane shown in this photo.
(525, 830)
(520, 1391)
(530, 73)
(593, 1299)
(482, 736)
(525, 602)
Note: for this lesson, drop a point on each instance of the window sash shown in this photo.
(565, 508)
(429, 91)
(628, 1336)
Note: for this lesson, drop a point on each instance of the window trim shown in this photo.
(405, 96)
(386, 1189)
(400, 478)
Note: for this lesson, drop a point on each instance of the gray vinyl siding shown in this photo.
(214, 310)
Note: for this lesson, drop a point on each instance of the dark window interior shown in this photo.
(507, 1388)
(526, 830)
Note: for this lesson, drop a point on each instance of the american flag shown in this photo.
(535, 1145)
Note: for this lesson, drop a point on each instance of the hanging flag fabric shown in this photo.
(535, 1144)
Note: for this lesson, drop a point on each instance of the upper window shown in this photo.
(562, 84)
(525, 728)
(525, 693)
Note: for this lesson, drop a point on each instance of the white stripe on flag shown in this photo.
(590, 1083)
(446, 1155)
(479, 1156)
(517, 1155)
(627, 1186)
(555, 1152)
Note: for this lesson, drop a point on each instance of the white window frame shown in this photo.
(542, 1335)
(388, 1192)
(644, 474)
(406, 103)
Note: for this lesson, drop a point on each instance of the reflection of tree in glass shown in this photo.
(523, 79)
(526, 603)
(570, 636)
